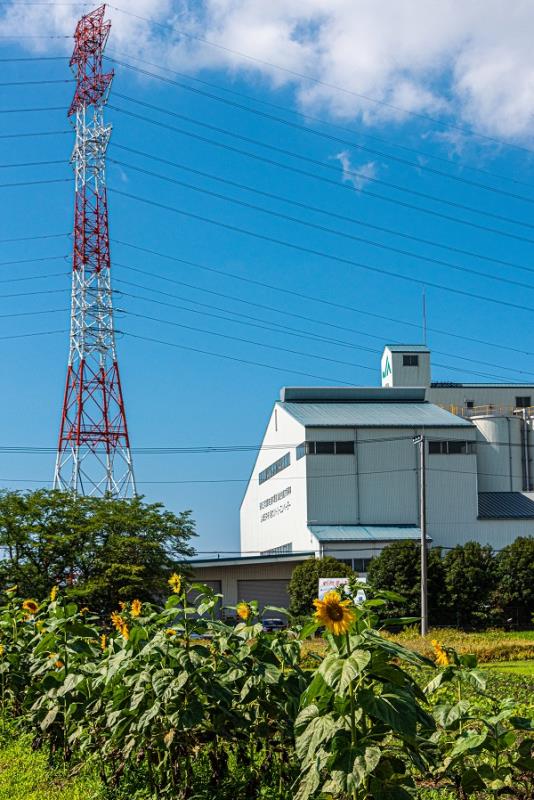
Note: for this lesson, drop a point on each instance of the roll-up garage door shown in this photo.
(266, 592)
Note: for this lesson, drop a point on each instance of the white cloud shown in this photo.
(358, 175)
(470, 59)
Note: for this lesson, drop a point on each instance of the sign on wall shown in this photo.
(330, 584)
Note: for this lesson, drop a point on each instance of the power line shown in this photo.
(322, 121)
(233, 358)
(293, 293)
(32, 133)
(36, 83)
(33, 278)
(33, 163)
(319, 82)
(321, 253)
(352, 220)
(367, 192)
(284, 329)
(31, 260)
(329, 137)
(316, 226)
(246, 341)
(32, 238)
(34, 183)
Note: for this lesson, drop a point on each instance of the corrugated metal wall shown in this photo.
(267, 592)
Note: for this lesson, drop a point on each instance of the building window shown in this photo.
(453, 447)
(469, 404)
(342, 448)
(522, 402)
(275, 468)
(357, 564)
(275, 551)
(325, 448)
(409, 360)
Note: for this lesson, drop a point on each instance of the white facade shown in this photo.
(338, 471)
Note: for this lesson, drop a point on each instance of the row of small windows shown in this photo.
(274, 469)
(280, 550)
(357, 564)
(451, 448)
(343, 448)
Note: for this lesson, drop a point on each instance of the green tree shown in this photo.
(470, 577)
(398, 569)
(304, 582)
(515, 576)
(98, 549)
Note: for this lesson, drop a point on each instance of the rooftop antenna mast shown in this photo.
(424, 316)
(93, 456)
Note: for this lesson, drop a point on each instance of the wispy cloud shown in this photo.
(358, 175)
(472, 60)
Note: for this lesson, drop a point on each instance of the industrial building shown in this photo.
(338, 473)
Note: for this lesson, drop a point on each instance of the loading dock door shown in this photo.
(266, 592)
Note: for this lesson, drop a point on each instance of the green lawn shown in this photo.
(25, 775)
(516, 667)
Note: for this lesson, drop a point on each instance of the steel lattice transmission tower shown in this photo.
(94, 455)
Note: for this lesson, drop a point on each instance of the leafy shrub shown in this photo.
(305, 580)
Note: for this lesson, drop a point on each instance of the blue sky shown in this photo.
(177, 397)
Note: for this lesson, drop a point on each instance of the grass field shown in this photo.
(25, 775)
(514, 667)
(488, 646)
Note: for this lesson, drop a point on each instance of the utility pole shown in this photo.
(93, 456)
(420, 440)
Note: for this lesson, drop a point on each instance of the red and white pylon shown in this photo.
(93, 455)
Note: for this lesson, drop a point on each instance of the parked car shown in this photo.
(273, 624)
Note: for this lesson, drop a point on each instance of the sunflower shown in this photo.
(30, 606)
(53, 593)
(117, 620)
(175, 582)
(136, 608)
(125, 631)
(170, 632)
(333, 613)
(59, 664)
(84, 610)
(244, 611)
(442, 659)
(123, 605)
(1, 650)
(103, 642)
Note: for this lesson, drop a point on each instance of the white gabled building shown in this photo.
(338, 472)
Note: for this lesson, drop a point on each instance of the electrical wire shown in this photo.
(320, 253)
(304, 115)
(268, 325)
(293, 293)
(352, 220)
(322, 134)
(232, 358)
(326, 84)
(394, 200)
(317, 227)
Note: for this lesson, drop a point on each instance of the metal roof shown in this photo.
(374, 415)
(505, 505)
(340, 394)
(407, 348)
(364, 533)
(241, 561)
